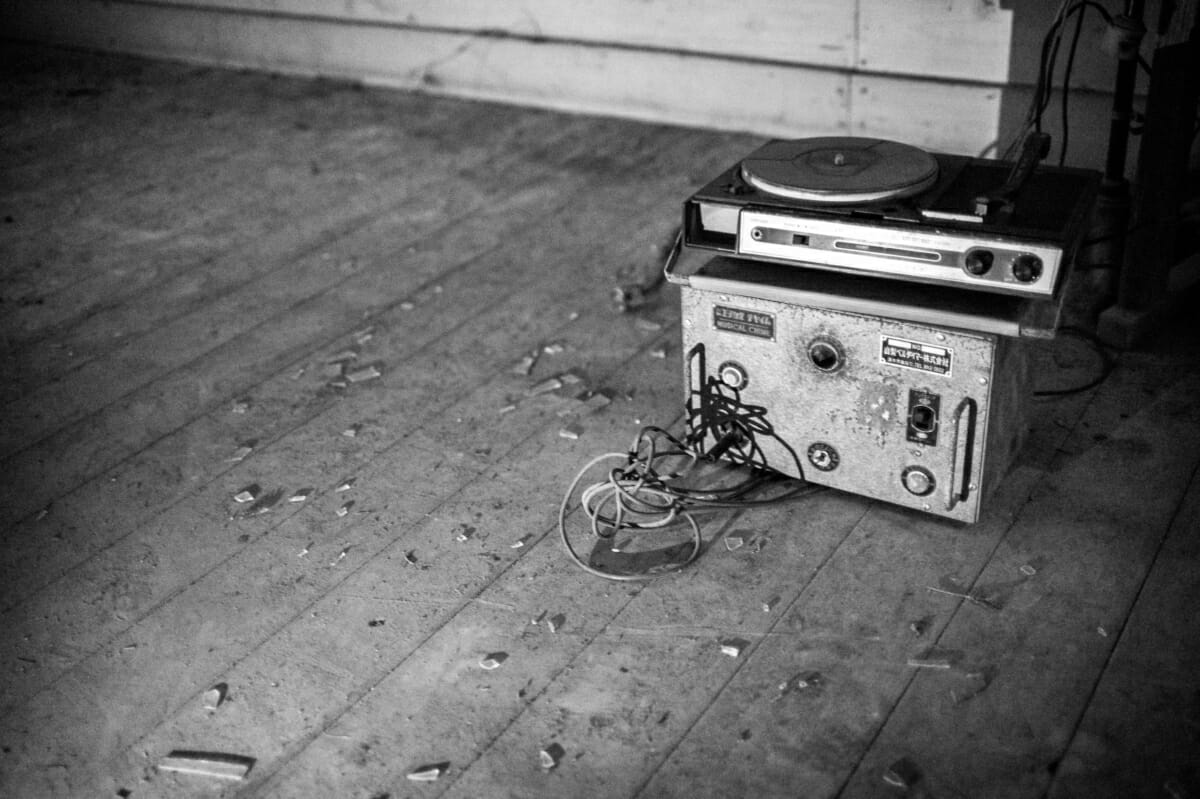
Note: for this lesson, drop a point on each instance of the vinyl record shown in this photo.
(840, 169)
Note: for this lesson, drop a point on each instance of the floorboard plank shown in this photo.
(464, 345)
(1151, 674)
(1090, 532)
(251, 285)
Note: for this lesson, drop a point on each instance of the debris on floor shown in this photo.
(554, 348)
(368, 372)
(520, 542)
(804, 681)
(1028, 570)
(920, 626)
(207, 764)
(647, 324)
(240, 453)
(953, 587)
(241, 405)
(345, 485)
(571, 432)
(551, 756)
(524, 366)
(300, 495)
(658, 351)
(248, 494)
(214, 696)
(353, 430)
(342, 357)
(545, 386)
(344, 509)
(428, 773)
(935, 658)
(733, 646)
(263, 504)
(627, 297)
(341, 556)
(555, 622)
(363, 336)
(465, 532)
(376, 622)
(770, 604)
(597, 401)
(733, 542)
(902, 774)
(973, 682)
(493, 660)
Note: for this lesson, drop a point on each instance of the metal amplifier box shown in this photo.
(899, 393)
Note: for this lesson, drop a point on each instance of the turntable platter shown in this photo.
(840, 169)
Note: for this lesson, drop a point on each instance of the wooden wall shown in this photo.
(950, 75)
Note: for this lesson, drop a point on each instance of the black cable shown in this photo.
(640, 494)
(1045, 76)
(1107, 362)
(1066, 88)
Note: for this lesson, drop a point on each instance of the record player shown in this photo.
(885, 209)
(914, 389)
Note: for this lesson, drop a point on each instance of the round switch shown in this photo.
(733, 375)
(1027, 268)
(979, 262)
(825, 354)
(918, 480)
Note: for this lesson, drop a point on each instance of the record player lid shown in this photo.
(840, 169)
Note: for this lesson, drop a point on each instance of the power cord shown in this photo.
(642, 493)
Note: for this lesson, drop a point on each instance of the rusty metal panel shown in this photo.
(889, 409)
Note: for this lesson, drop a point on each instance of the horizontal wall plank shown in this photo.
(963, 39)
(815, 32)
(679, 88)
(947, 117)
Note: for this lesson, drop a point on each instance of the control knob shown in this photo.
(979, 262)
(1027, 268)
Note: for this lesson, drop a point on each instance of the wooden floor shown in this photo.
(188, 256)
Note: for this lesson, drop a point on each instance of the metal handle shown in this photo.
(960, 482)
(673, 258)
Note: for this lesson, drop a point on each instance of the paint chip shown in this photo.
(545, 386)
(428, 773)
(935, 658)
(364, 374)
(240, 454)
(733, 646)
(214, 696)
(207, 764)
(551, 756)
(247, 494)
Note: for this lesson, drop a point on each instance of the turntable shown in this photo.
(885, 209)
